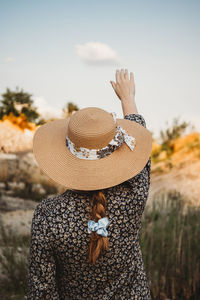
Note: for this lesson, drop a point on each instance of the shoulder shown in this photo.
(142, 179)
(48, 205)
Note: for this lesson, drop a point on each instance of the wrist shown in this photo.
(129, 107)
(128, 99)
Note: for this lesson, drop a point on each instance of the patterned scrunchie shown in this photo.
(99, 227)
(120, 137)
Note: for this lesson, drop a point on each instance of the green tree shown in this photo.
(18, 102)
(68, 109)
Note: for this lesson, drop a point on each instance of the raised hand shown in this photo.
(125, 90)
(124, 87)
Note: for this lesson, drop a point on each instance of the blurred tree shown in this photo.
(170, 134)
(176, 130)
(69, 109)
(18, 102)
(41, 121)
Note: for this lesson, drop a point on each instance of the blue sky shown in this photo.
(62, 51)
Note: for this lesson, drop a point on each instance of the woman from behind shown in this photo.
(85, 242)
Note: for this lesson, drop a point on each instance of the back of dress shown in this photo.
(58, 261)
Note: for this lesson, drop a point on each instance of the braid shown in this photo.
(98, 243)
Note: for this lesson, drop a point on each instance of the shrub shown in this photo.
(170, 243)
(13, 260)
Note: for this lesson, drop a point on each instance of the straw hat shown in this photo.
(92, 149)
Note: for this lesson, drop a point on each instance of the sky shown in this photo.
(63, 51)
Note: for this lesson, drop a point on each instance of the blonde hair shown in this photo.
(98, 243)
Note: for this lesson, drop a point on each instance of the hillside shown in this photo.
(181, 170)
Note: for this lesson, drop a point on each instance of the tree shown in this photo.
(69, 109)
(174, 132)
(18, 102)
(170, 134)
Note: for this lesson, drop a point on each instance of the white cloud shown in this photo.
(47, 111)
(9, 59)
(97, 53)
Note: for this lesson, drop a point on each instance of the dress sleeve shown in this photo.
(41, 265)
(145, 173)
(137, 118)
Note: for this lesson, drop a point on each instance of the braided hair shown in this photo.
(98, 243)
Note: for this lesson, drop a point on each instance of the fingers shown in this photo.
(117, 75)
(113, 84)
(131, 77)
(123, 87)
(126, 74)
(121, 75)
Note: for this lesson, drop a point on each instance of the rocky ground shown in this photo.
(13, 139)
(184, 178)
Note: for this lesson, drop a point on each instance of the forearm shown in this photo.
(129, 106)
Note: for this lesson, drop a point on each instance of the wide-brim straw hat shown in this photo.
(91, 128)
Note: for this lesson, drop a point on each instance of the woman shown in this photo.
(85, 242)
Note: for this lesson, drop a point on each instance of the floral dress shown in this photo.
(58, 260)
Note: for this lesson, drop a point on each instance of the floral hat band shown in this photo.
(120, 137)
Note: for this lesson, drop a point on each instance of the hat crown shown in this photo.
(91, 128)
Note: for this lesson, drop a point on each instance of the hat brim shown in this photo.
(57, 162)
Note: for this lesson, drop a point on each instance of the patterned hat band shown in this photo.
(120, 137)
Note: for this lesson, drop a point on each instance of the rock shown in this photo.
(8, 164)
(8, 192)
(18, 221)
(13, 139)
(22, 168)
(2, 185)
(16, 185)
(20, 185)
(7, 156)
(12, 185)
(9, 203)
(37, 188)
